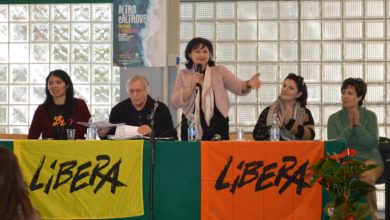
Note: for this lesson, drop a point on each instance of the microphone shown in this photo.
(216, 137)
(199, 69)
(151, 116)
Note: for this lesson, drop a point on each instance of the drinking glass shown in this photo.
(70, 132)
(240, 134)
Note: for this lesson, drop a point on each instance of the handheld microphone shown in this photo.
(199, 69)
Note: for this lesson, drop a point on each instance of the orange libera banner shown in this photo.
(259, 180)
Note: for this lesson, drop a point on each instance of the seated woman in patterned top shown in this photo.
(295, 120)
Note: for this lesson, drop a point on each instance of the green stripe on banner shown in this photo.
(177, 181)
(9, 144)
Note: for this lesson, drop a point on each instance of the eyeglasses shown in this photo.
(136, 91)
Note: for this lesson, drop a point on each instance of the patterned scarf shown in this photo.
(279, 107)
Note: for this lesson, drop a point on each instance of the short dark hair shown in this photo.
(301, 85)
(359, 85)
(194, 44)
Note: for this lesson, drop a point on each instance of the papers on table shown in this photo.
(127, 131)
(123, 131)
(99, 124)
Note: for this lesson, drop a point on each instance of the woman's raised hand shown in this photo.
(254, 82)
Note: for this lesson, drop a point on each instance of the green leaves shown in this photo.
(339, 174)
(359, 211)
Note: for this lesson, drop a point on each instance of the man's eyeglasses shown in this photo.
(137, 91)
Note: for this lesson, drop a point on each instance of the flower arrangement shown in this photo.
(339, 174)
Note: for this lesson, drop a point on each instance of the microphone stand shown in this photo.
(152, 145)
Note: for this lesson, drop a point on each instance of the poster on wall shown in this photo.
(139, 33)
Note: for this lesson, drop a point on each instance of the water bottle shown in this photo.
(91, 130)
(275, 130)
(191, 128)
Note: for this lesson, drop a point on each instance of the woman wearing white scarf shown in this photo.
(201, 90)
(295, 120)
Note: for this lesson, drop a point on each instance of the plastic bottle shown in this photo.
(191, 128)
(91, 130)
(274, 133)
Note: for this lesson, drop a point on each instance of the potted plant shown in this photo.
(339, 174)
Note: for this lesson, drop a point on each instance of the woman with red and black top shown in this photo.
(60, 110)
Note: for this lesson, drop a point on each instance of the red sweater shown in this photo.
(42, 122)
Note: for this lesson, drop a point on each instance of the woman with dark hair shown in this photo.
(60, 110)
(295, 120)
(359, 127)
(201, 91)
(14, 201)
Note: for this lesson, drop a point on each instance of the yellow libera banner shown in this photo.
(83, 179)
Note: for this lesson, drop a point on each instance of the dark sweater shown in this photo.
(42, 122)
(124, 112)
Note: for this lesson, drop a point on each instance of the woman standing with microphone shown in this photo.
(201, 90)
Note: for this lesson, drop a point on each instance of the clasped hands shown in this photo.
(354, 118)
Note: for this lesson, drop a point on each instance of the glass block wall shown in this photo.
(324, 41)
(337, 39)
(38, 38)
